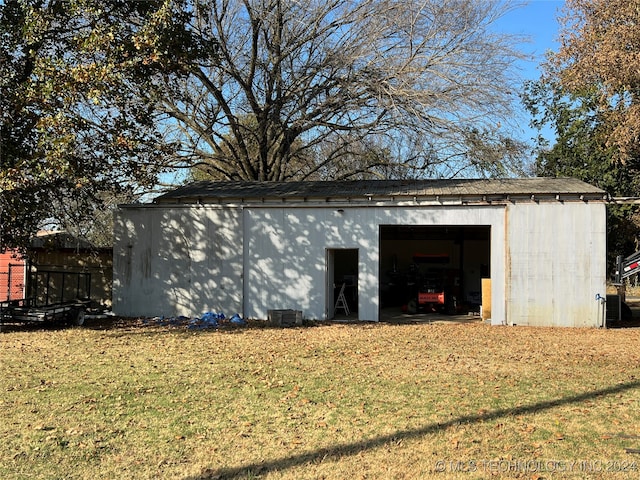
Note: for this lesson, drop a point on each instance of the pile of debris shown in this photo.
(206, 320)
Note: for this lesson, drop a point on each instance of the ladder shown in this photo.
(341, 302)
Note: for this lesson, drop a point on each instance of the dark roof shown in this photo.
(61, 241)
(364, 189)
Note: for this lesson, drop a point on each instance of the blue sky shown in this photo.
(537, 20)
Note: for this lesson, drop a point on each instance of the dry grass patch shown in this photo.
(331, 401)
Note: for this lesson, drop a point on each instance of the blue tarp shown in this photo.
(206, 320)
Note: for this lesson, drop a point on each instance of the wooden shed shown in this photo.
(62, 267)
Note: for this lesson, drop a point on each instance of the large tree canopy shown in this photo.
(294, 89)
(98, 98)
(600, 52)
(581, 150)
(588, 94)
(71, 133)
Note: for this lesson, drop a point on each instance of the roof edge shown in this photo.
(365, 191)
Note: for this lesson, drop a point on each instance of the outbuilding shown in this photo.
(57, 267)
(418, 245)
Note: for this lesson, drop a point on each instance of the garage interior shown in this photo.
(433, 270)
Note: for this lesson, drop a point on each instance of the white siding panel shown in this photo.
(285, 256)
(285, 259)
(177, 261)
(557, 255)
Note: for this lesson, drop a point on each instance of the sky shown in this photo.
(537, 20)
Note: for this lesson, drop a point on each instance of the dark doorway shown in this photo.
(434, 268)
(342, 276)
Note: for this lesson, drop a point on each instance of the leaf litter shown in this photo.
(334, 401)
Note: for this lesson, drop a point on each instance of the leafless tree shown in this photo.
(292, 89)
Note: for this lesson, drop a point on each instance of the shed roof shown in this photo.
(242, 191)
(62, 241)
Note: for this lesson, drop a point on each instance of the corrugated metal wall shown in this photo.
(286, 258)
(547, 259)
(177, 261)
(12, 277)
(557, 263)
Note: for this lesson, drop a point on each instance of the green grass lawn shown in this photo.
(331, 401)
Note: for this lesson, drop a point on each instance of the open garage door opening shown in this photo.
(433, 269)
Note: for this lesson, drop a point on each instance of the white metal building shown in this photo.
(247, 248)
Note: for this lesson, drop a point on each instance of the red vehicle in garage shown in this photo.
(431, 285)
